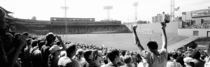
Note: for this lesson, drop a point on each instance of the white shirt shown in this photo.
(207, 64)
(154, 60)
(143, 63)
(173, 64)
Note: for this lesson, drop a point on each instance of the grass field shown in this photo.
(120, 40)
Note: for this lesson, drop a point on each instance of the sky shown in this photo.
(123, 10)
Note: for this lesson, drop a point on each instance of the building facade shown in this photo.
(195, 23)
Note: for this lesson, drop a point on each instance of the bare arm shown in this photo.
(164, 37)
(137, 39)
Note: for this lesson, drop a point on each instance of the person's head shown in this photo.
(123, 53)
(97, 58)
(71, 50)
(87, 56)
(127, 59)
(138, 58)
(50, 38)
(25, 34)
(192, 45)
(34, 43)
(94, 58)
(152, 45)
(41, 43)
(79, 53)
(163, 12)
(114, 56)
(196, 55)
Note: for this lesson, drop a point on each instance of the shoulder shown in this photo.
(63, 61)
(145, 53)
(74, 63)
(163, 51)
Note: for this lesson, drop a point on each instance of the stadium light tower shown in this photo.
(65, 8)
(108, 8)
(136, 11)
(172, 9)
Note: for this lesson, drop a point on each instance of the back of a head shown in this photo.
(123, 53)
(196, 55)
(71, 51)
(87, 55)
(192, 45)
(152, 45)
(112, 55)
(34, 43)
(50, 37)
(138, 58)
(79, 52)
(127, 59)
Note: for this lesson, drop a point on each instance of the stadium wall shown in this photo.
(194, 32)
(72, 29)
(172, 27)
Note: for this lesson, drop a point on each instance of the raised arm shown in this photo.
(137, 39)
(164, 37)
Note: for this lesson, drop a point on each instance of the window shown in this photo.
(195, 33)
(208, 33)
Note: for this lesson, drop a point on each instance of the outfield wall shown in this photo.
(72, 29)
(194, 32)
(172, 27)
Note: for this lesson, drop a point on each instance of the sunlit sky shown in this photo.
(122, 9)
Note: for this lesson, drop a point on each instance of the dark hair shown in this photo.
(50, 37)
(192, 45)
(71, 50)
(123, 53)
(113, 54)
(86, 55)
(95, 55)
(169, 55)
(41, 43)
(196, 55)
(34, 43)
(127, 60)
(138, 58)
(152, 45)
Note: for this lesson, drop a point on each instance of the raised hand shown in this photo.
(163, 25)
(134, 27)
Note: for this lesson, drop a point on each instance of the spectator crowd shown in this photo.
(23, 50)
